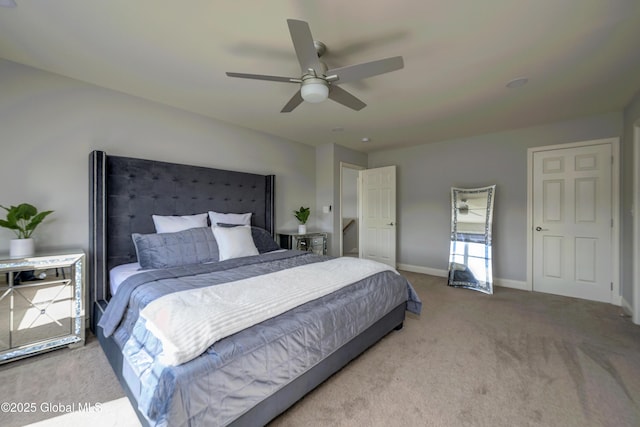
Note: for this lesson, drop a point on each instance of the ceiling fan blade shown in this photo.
(293, 103)
(263, 77)
(343, 97)
(367, 69)
(303, 45)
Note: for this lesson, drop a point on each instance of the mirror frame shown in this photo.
(485, 283)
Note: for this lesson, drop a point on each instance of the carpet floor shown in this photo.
(514, 358)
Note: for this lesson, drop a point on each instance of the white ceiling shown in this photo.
(581, 57)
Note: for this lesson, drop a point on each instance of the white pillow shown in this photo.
(173, 224)
(229, 218)
(234, 242)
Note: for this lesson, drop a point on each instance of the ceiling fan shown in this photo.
(317, 83)
(464, 209)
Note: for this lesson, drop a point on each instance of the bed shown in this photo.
(252, 370)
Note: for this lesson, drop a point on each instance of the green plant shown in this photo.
(23, 219)
(302, 215)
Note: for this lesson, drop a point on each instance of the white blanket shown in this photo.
(189, 322)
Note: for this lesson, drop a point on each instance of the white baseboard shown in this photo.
(424, 270)
(514, 284)
(505, 283)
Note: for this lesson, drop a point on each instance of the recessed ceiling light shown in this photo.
(519, 82)
(365, 139)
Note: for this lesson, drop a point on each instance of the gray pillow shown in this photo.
(165, 250)
(261, 238)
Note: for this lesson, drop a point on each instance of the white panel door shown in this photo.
(378, 214)
(572, 220)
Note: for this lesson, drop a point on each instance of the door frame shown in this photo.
(636, 224)
(346, 165)
(616, 298)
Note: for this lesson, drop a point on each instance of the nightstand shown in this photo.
(313, 242)
(41, 303)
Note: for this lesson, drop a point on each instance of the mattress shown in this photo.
(120, 273)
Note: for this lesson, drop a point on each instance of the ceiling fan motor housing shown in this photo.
(321, 48)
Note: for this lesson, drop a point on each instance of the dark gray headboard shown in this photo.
(125, 192)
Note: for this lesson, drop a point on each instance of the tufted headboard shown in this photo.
(125, 192)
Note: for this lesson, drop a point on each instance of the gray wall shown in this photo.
(631, 119)
(426, 174)
(324, 189)
(49, 124)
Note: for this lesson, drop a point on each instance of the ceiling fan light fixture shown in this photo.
(314, 90)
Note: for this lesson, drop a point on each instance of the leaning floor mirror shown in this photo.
(470, 250)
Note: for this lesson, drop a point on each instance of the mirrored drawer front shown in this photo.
(315, 242)
(41, 312)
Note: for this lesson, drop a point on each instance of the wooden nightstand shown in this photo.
(41, 303)
(313, 242)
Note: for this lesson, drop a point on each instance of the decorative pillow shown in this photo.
(234, 242)
(230, 218)
(173, 224)
(165, 250)
(261, 238)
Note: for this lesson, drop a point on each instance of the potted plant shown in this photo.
(302, 215)
(22, 220)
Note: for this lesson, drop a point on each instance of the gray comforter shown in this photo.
(241, 370)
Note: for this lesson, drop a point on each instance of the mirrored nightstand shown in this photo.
(313, 242)
(41, 303)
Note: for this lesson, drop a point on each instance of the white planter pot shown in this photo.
(20, 248)
(302, 229)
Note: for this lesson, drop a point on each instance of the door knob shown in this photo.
(541, 229)
(391, 224)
